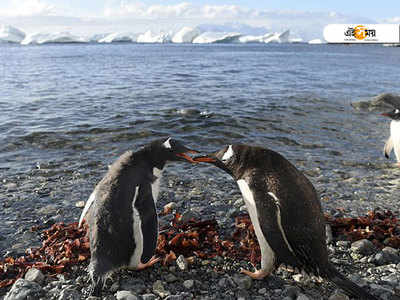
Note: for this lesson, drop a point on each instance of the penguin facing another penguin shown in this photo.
(393, 142)
(285, 211)
(121, 211)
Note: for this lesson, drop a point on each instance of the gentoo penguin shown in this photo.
(285, 211)
(394, 140)
(121, 211)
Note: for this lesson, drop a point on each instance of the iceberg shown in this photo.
(217, 37)
(150, 37)
(278, 37)
(119, 37)
(9, 34)
(316, 41)
(57, 37)
(186, 35)
(266, 38)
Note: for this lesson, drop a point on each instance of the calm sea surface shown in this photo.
(69, 110)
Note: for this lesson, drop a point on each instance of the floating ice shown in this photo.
(186, 35)
(266, 38)
(57, 37)
(9, 34)
(150, 37)
(316, 41)
(119, 37)
(296, 40)
(216, 37)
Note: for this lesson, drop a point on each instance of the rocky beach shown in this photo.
(70, 110)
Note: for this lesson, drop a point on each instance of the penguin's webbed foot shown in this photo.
(151, 262)
(258, 274)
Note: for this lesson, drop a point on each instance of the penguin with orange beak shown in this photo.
(285, 211)
(121, 211)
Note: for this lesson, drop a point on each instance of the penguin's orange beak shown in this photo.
(204, 159)
(187, 157)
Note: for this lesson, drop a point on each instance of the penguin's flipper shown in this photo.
(388, 147)
(88, 205)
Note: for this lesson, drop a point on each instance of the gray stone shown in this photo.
(262, 291)
(158, 289)
(291, 291)
(243, 281)
(149, 297)
(363, 247)
(170, 278)
(182, 263)
(126, 295)
(34, 275)
(391, 279)
(344, 244)
(188, 284)
(24, 290)
(339, 295)
(80, 204)
(381, 102)
(69, 294)
(302, 297)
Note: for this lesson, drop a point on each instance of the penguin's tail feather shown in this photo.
(347, 285)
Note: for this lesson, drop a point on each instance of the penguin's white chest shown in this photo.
(155, 186)
(137, 233)
(267, 255)
(395, 136)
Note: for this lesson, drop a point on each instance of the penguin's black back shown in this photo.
(111, 216)
(298, 205)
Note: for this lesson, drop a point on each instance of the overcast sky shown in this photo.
(302, 17)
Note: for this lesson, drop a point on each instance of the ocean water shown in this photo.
(67, 111)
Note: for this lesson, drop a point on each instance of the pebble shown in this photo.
(126, 295)
(338, 295)
(170, 278)
(302, 297)
(243, 281)
(24, 289)
(69, 294)
(363, 247)
(34, 275)
(149, 297)
(188, 284)
(182, 263)
(80, 204)
(158, 288)
(386, 256)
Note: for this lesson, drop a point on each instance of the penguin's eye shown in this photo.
(228, 154)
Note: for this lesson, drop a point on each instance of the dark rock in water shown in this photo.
(381, 103)
(24, 289)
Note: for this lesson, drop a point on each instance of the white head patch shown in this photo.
(228, 154)
(166, 144)
(396, 111)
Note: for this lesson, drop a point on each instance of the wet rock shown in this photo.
(149, 297)
(158, 289)
(80, 204)
(170, 278)
(243, 281)
(24, 290)
(34, 275)
(302, 297)
(182, 263)
(388, 255)
(329, 236)
(188, 284)
(363, 247)
(381, 103)
(126, 295)
(69, 293)
(338, 295)
(291, 291)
